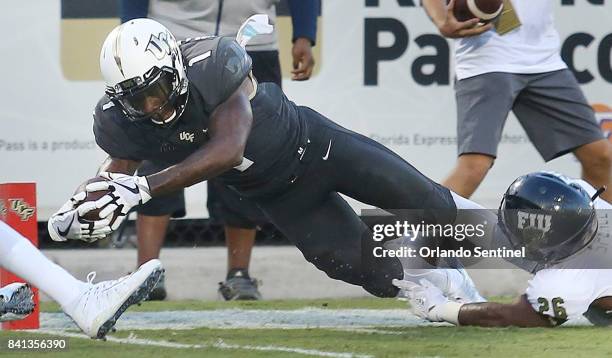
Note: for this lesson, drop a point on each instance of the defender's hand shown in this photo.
(125, 193)
(427, 301)
(453, 28)
(67, 223)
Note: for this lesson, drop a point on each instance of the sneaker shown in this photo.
(99, 306)
(16, 301)
(159, 291)
(461, 288)
(455, 283)
(239, 286)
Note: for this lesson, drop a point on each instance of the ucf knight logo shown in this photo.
(158, 45)
(536, 221)
(21, 208)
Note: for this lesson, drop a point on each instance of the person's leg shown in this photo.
(331, 236)
(151, 234)
(483, 104)
(93, 307)
(470, 170)
(239, 246)
(240, 217)
(23, 259)
(152, 224)
(559, 120)
(596, 161)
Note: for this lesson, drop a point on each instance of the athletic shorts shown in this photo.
(550, 106)
(225, 206)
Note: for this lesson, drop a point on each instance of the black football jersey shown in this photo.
(216, 67)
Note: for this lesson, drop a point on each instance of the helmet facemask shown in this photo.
(158, 98)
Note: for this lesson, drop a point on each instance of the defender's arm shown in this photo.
(489, 314)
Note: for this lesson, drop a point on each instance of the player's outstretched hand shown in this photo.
(453, 28)
(68, 224)
(125, 192)
(426, 300)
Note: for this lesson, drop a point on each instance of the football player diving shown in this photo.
(574, 248)
(196, 106)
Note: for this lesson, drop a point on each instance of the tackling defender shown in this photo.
(197, 107)
(577, 280)
(76, 298)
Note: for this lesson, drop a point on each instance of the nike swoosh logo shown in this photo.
(64, 233)
(326, 156)
(134, 191)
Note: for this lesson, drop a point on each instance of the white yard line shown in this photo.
(220, 344)
(253, 319)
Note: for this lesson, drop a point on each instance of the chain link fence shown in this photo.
(181, 233)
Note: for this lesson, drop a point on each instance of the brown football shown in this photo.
(92, 196)
(485, 10)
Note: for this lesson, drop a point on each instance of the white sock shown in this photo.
(18, 255)
(463, 203)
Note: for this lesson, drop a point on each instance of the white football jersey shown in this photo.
(531, 48)
(566, 290)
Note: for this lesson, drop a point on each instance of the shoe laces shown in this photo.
(104, 286)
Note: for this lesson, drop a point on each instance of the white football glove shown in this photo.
(127, 191)
(67, 222)
(428, 301)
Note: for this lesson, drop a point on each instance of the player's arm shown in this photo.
(230, 125)
(427, 301)
(489, 314)
(442, 16)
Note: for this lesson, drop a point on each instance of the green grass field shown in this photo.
(378, 341)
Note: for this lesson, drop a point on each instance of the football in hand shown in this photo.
(92, 196)
(485, 10)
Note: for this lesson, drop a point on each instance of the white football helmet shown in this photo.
(144, 73)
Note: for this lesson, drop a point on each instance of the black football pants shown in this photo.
(324, 227)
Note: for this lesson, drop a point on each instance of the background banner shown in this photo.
(383, 70)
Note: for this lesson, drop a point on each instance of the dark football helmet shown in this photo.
(548, 215)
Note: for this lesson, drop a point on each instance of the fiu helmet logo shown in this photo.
(539, 222)
(158, 45)
(22, 209)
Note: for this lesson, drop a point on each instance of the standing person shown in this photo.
(521, 71)
(240, 217)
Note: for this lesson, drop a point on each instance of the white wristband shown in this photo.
(143, 186)
(449, 312)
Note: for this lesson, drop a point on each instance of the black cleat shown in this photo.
(239, 286)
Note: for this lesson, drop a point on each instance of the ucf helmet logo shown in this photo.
(22, 209)
(158, 45)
